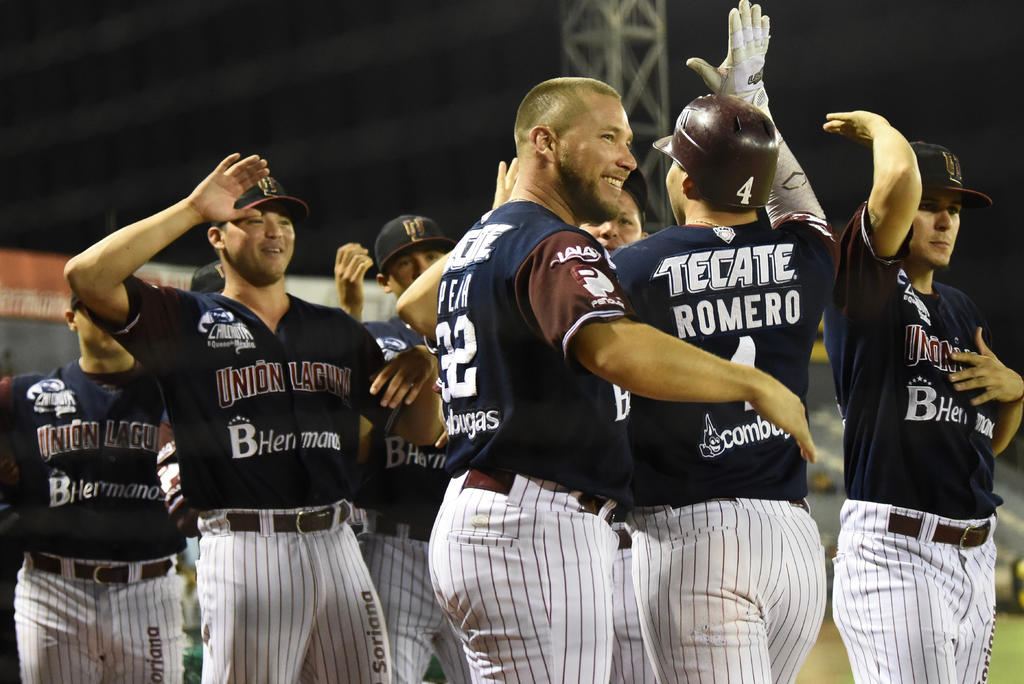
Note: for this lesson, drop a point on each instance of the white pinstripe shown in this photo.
(629, 659)
(911, 610)
(416, 626)
(288, 607)
(76, 630)
(731, 590)
(526, 581)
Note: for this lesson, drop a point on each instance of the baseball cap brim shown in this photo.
(443, 243)
(972, 199)
(298, 209)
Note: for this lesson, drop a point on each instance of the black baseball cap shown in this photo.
(940, 168)
(208, 278)
(636, 186)
(269, 190)
(406, 230)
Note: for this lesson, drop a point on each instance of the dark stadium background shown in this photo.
(112, 109)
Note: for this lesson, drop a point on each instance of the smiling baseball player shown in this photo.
(268, 396)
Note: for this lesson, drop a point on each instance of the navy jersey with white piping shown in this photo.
(261, 418)
(753, 294)
(910, 439)
(404, 481)
(516, 288)
(86, 446)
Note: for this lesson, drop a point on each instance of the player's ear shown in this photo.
(543, 140)
(382, 280)
(216, 236)
(69, 318)
(690, 188)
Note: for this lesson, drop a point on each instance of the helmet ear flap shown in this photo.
(729, 148)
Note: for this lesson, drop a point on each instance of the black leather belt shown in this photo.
(100, 572)
(382, 525)
(500, 482)
(303, 522)
(966, 537)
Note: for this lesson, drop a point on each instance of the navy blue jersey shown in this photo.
(405, 482)
(910, 438)
(261, 418)
(753, 295)
(85, 445)
(516, 288)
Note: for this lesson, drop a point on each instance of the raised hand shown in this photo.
(215, 196)
(507, 175)
(351, 262)
(741, 72)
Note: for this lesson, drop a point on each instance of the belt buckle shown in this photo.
(967, 530)
(312, 514)
(96, 573)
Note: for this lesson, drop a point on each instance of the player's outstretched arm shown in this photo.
(648, 362)
(351, 262)
(896, 184)
(986, 372)
(417, 306)
(97, 274)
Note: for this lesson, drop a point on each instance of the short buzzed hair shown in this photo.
(556, 103)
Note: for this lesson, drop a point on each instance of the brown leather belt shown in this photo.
(966, 537)
(500, 482)
(382, 525)
(799, 503)
(302, 522)
(100, 573)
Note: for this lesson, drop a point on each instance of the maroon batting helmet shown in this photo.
(728, 147)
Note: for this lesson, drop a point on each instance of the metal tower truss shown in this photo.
(624, 44)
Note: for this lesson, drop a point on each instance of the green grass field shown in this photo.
(828, 664)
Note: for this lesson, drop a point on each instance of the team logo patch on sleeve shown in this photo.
(599, 285)
(223, 329)
(52, 396)
(391, 346)
(586, 253)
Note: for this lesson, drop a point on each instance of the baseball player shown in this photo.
(268, 396)
(629, 660)
(97, 598)
(926, 406)
(532, 331)
(727, 561)
(405, 482)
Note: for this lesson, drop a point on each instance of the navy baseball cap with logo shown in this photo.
(208, 278)
(269, 190)
(940, 168)
(404, 231)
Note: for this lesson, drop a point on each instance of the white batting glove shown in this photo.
(741, 72)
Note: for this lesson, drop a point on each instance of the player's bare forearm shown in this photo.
(417, 306)
(896, 181)
(97, 275)
(421, 422)
(1007, 424)
(651, 363)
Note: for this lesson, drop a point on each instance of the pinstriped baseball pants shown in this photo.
(525, 578)
(288, 607)
(729, 591)
(911, 610)
(76, 630)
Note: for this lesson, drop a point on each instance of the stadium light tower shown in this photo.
(624, 44)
